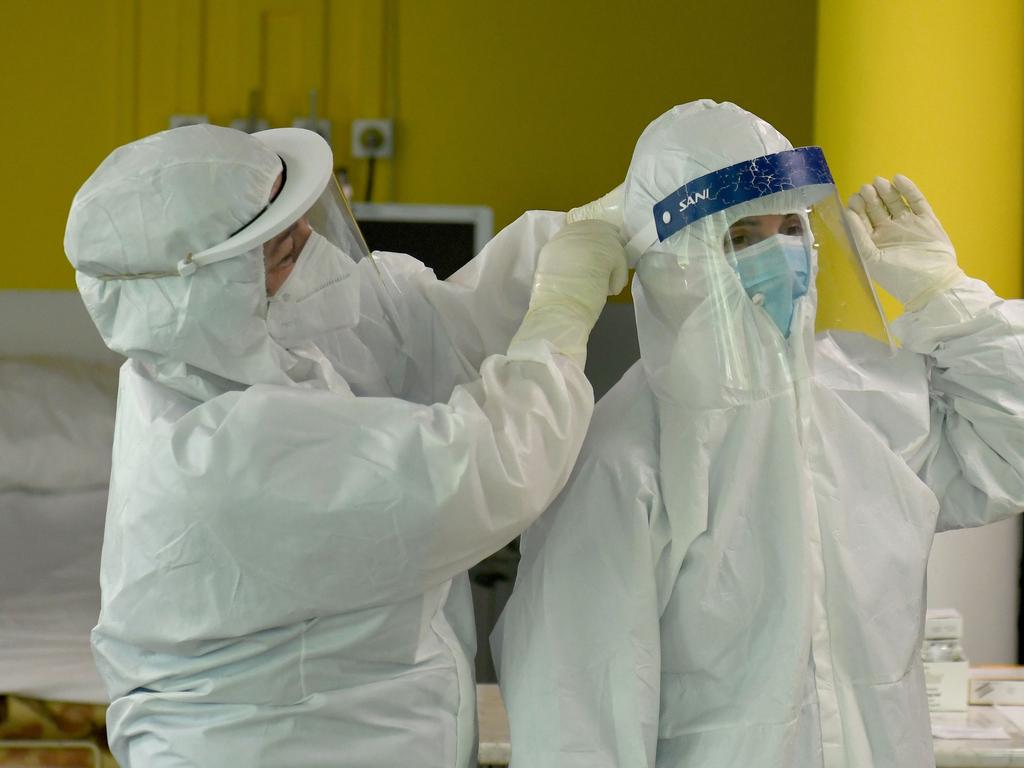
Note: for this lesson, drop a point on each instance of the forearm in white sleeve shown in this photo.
(331, 503)
(482, 305)
(974, 456)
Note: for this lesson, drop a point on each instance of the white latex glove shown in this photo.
(577, 270)
(904, 246)
(606, 208)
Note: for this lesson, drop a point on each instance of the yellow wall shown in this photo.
(532, 104)
(537, 104)
(932, 89)
(515, 105)
(66, 69)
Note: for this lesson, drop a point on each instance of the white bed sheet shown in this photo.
(50, 594)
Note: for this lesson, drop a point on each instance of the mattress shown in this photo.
(49, 593)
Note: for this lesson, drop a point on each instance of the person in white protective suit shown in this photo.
(310, 451)
(735, 573)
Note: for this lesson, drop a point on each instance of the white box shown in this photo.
(946, 684)
(943, 624)
(997, 685)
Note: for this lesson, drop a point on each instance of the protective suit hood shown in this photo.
(721, 322)
(681, 145)
(689, 271)
(147, 207)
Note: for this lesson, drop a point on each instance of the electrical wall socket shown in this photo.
(250, 124)
(373, 138)
(177, 121)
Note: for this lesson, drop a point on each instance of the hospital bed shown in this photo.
(57, 394)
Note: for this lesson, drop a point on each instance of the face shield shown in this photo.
(312, 281)
(321, 293)
(308, 191)
(765, 263)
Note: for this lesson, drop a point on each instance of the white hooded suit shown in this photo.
(286, 540)
(735, 576)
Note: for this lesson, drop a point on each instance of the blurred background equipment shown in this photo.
(312, 121)
(945, 666)
(444, 237)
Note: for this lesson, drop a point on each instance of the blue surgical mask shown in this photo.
(775, 273)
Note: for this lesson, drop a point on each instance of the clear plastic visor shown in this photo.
(329, 217)
(285, 222)
(288, 231)
(772, 232)
(332, 217)
(795, 246)
(753, 264)
(379, 300)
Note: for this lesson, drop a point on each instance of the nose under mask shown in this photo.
(320, 295)
(775, 273)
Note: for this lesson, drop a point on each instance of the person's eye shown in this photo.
(739, 240)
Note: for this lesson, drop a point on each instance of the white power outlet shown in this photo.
(373, 138)
(177, 121)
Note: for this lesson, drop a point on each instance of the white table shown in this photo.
(980, 753)
(949, 753)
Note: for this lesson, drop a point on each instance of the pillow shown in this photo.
(56, 423)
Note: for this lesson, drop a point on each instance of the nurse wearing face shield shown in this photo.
(293, 506)
(735, 572)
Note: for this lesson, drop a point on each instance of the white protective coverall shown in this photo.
(737, 578)
(284, 561)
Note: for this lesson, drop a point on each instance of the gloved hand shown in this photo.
(903, 244)
(606, 208)
(577, 270)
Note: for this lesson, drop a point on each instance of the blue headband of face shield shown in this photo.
(776, 271)
(740, 183)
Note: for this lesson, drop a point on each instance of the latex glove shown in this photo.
(606, 208)
(577, 270)
(904, 246)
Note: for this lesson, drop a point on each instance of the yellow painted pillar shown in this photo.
(932, 89)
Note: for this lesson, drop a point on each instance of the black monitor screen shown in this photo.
(442, 246)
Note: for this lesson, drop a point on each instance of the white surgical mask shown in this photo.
(319, 296)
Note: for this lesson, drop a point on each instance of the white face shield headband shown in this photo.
(309, 191)
(322, 292)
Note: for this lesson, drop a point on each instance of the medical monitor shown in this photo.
(444, 237)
